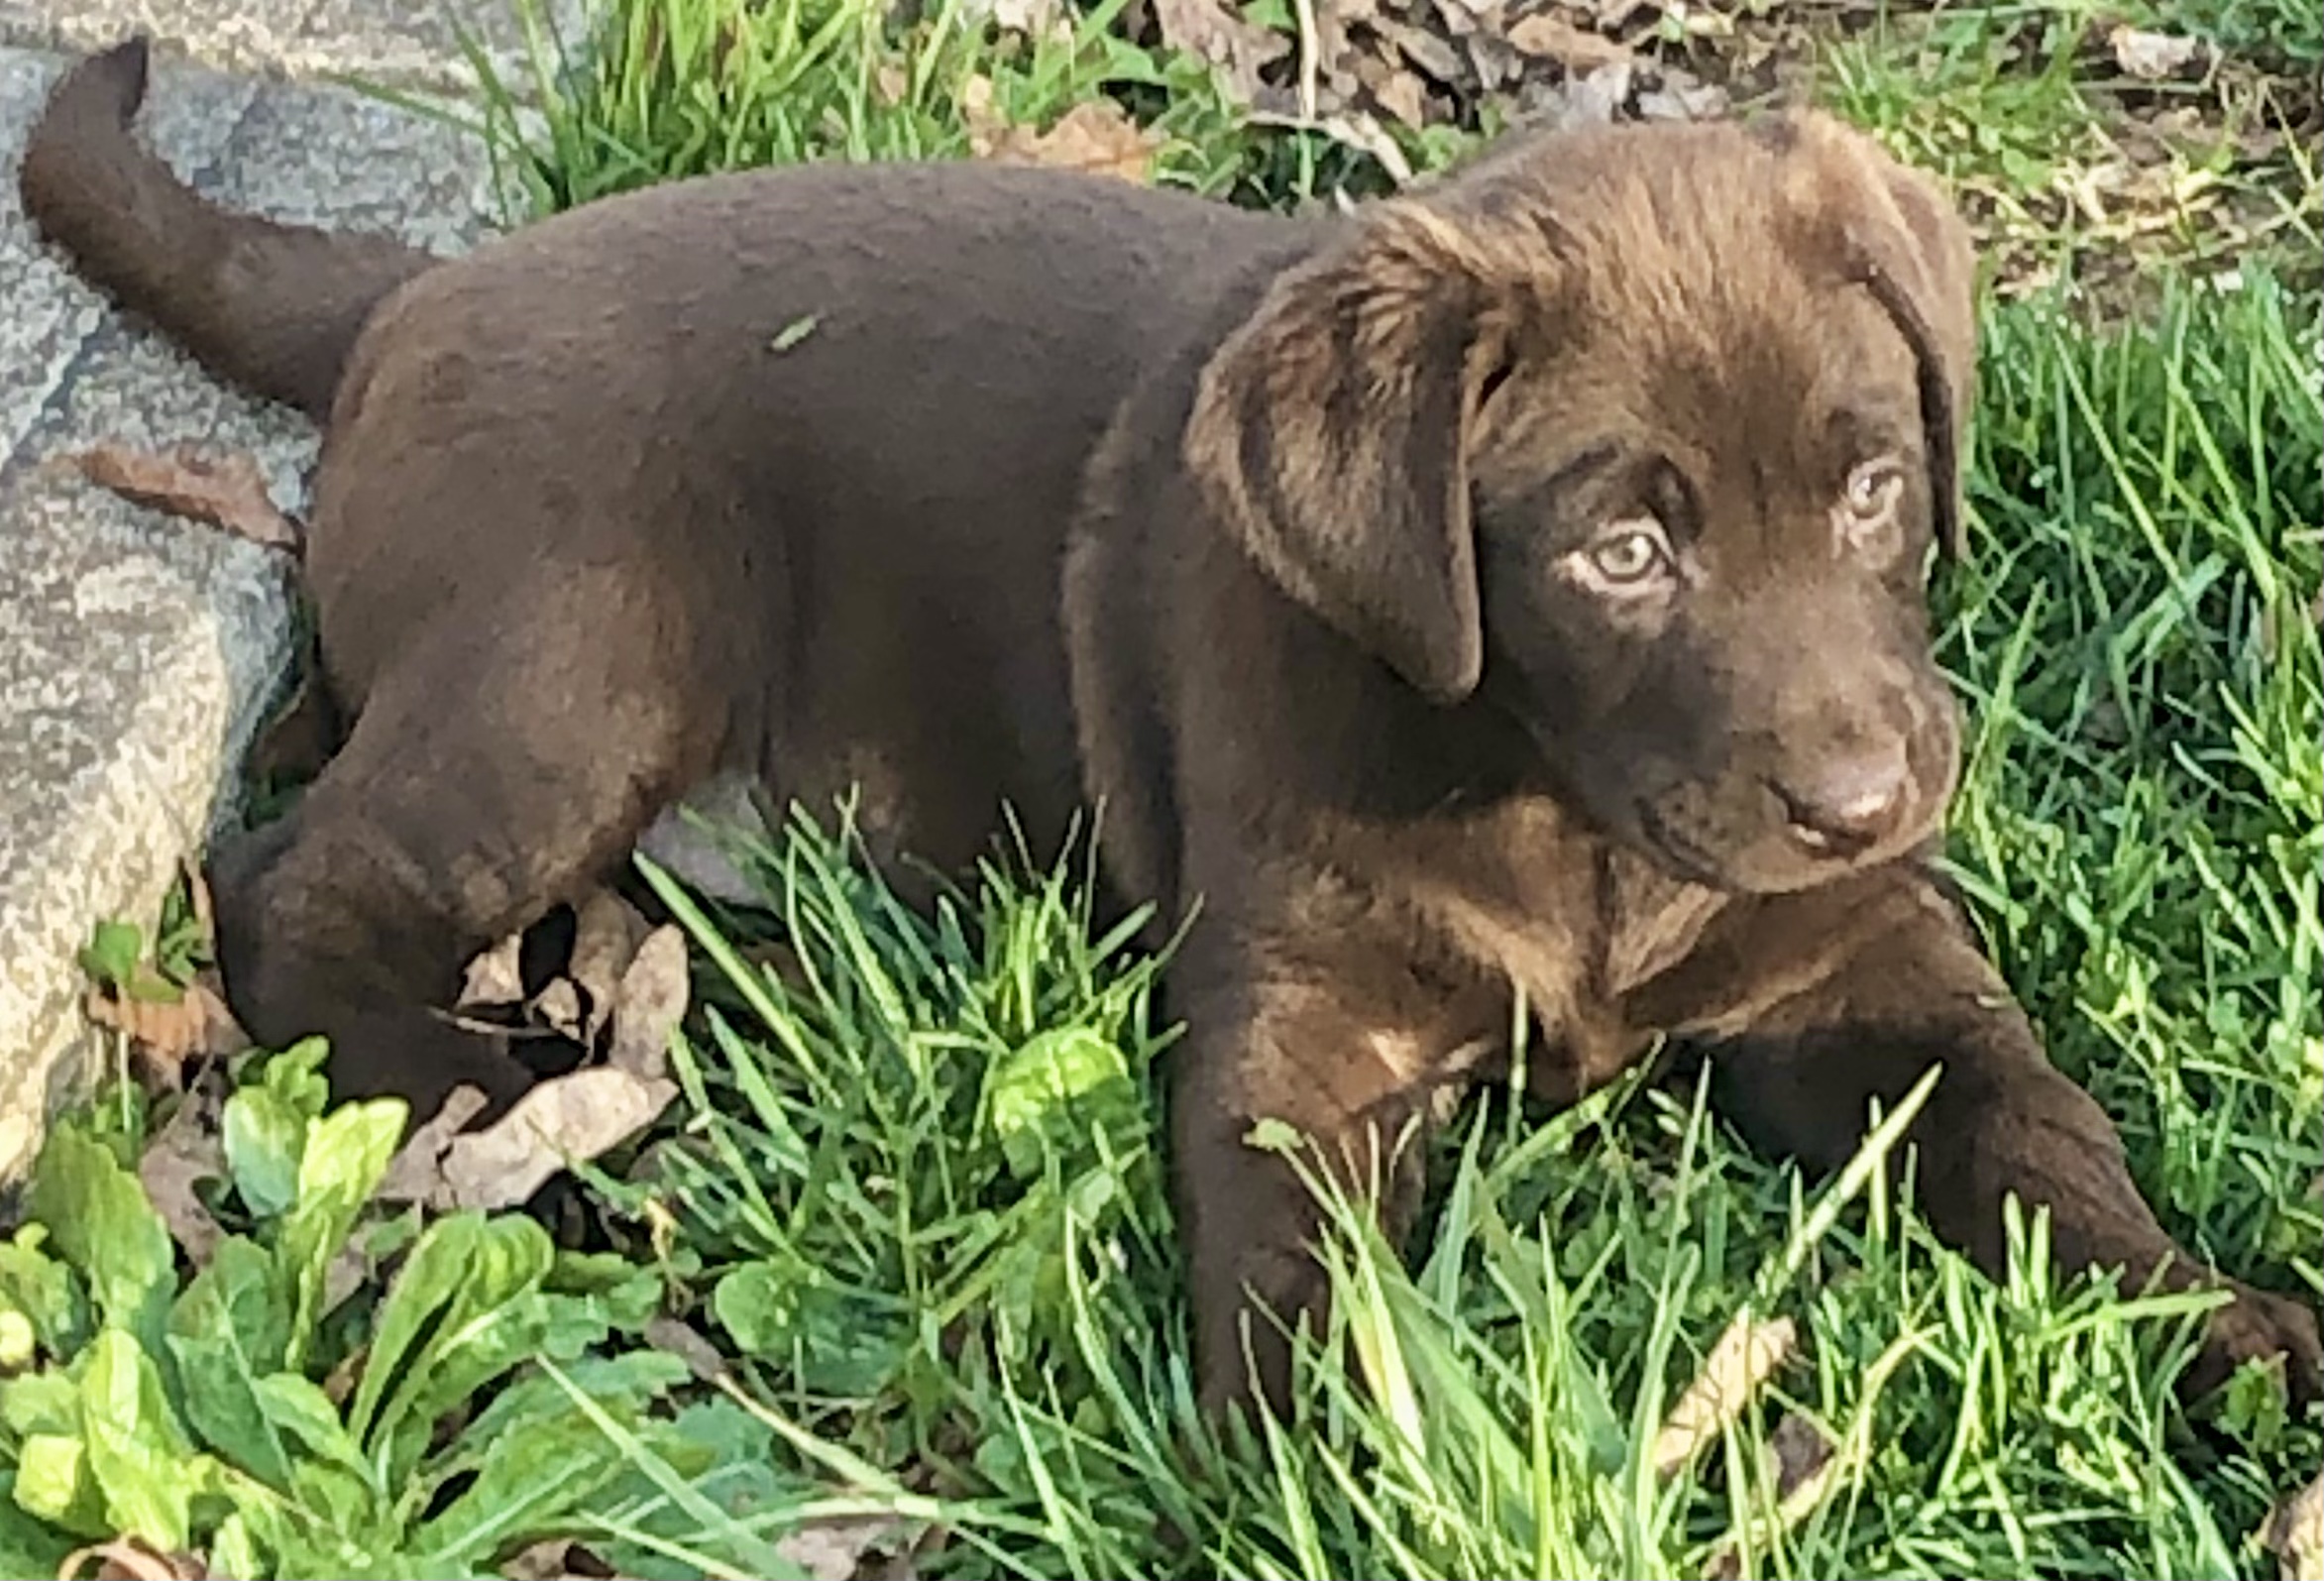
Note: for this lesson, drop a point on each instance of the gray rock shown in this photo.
(139, 653)
(241, 36)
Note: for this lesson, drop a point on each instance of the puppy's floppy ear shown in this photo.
(1330, 433)
(1894, 232)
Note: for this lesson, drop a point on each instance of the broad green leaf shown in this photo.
(27, 1546)
(43, 1288)
(339, 1166)
(295, 1077)
(331, 1484)
(42, 1402)
(718, 1432)
(96, 1212)
(756, 1557)
(339, 1514)
(136, 1451)
(118, 1124)
(264, 1137)
(1046, 1096)
(627, 1383)
(328, 1521)
(839, 1341)
(757, 1304)
(467, 1354)
(228, 1329)
(298, 1407)
(539, 1457)
(54, 1482)
(631, 1294)
(234, 1548)
(531, 1484)
(1272, 1135)
(729, 1457)
(450, 1322)
(150, 987)
(266, 1125)
(113, 953)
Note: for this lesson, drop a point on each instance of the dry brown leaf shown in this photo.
(416, 1173)
(561, 1007)
(1499, 63)
(649, 1004)
(686, 1342)
(228, 491)
(607, 934)
(1618, 16)
(1363, 133)
(1745, 1354)
(339, 1382)
(1095, 136)
(350, 1269)
(1801, 1460)
(2153, 57)
(556, 1559)
(1464, 19)
(1035, 19)
(1595, 98)
(197, 898)
(576, 1116)
(1803, 1456)
(1212, 30)
(1435, 57)
(168, 1034)
(496, 978)
(1548, 37)
(130, 1560)
(1682, 99)
(186, 1150)
(546, 1560)
(2295, 1534)
(834, 1549)
(1401, 95)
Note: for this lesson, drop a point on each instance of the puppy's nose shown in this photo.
(1841, 807)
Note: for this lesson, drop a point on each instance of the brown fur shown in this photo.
(1311, 549)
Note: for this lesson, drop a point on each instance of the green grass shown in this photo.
(661, 91)
(1987, 97)
(2145, 805)
(996, 1305)
(2141, 829)
(913, 1194)
(2072, 168)
(2284, 33)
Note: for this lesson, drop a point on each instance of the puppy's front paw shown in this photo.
(1243, 1322)
(415, 1056)
(2260, 1325)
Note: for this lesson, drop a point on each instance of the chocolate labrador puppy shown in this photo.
(1514, 588)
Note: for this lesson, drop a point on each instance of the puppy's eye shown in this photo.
(1628, 555)
(1872, 493)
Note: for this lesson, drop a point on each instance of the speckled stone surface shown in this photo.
(242, 36)
(416, 45)
(138, 654)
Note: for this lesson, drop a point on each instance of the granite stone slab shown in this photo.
(138, 654)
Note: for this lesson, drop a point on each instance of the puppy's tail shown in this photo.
(272, 307)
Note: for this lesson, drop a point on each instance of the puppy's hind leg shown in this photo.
(483, 783)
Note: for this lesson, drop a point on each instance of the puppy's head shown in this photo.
(1648, 437)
